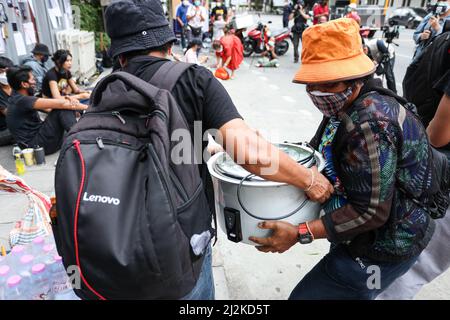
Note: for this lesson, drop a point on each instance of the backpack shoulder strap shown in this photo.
(168, 74)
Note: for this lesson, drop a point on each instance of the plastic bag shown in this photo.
(222, 73)
(36, 221)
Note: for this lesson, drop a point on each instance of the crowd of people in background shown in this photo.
(39, 102)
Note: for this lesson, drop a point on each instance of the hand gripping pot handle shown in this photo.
(312, 161)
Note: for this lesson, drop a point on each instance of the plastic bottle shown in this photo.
(14, 256)
(47, 252)
(61, 287)
(5, 272)
(40, 283)
(20, 165)
(14, 288)
(24, 267)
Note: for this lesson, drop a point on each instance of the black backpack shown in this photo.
(423, 74)
(133, 219)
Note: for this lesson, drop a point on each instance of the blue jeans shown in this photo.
(204, 288)
(338, 276)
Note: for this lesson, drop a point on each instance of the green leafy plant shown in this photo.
(91, 19)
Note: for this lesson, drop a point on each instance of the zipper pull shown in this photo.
(100, 143)
(117, 114)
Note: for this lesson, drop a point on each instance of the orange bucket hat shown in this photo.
(333, 52)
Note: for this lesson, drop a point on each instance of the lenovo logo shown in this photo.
(101, 199)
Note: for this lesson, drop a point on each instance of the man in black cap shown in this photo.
(142, 48)
(37, 62)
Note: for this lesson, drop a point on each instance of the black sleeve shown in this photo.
(205, 99)
(51, 76)
(218, 108)
(443, 85)
(69, 75)
(3, 103)
(26, 102)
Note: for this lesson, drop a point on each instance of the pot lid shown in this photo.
(301, 154)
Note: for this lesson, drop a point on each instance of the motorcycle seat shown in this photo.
(276, 33)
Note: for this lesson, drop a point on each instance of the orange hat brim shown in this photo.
(334, 71)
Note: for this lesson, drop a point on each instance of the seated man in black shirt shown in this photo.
(5, 91)
(23, 119)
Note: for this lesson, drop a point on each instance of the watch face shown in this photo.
(305, 239)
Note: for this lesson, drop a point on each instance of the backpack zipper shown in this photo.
(178, 185)
(76, 145)
(101, 142)
(117, 114)
(121, 117)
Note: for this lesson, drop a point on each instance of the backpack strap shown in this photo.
(168, 74)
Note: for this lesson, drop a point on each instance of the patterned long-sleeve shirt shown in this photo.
(378, 147)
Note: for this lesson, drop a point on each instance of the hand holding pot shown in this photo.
(283, 237)
(320, 188)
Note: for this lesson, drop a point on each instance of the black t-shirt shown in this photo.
(23, 121)
(219, 10)
(200, 97)
(4, 104)
(61, 78)
(443, 85)
(299, 20)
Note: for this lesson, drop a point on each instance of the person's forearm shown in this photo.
(50, 104)
(317, 229)
(260, 157)
(438, 129)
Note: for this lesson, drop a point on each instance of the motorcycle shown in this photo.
(258, 37)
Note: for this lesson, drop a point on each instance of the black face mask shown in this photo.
(44, 59)
(31, 91)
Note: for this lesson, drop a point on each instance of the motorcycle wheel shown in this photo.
(248, 47)
(281, 48)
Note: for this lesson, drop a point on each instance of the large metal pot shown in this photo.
(243, 200)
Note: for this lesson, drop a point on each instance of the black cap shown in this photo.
(41, 48)
(136, 25)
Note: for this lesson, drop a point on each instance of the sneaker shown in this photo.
(277, 65)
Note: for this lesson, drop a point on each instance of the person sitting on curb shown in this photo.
(37, 62)
(376, 155)
(23, 119)
(269, 58)
(191, 55)
(5, 92)
(58, 81)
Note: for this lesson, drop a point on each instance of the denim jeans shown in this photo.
(339, 276)
(204, 288)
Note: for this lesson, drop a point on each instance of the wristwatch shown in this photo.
(304, 234)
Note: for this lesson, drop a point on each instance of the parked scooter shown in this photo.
(258, 37)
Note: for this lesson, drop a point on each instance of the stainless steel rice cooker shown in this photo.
(243, 200)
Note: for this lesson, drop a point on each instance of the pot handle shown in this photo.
(260, 218)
